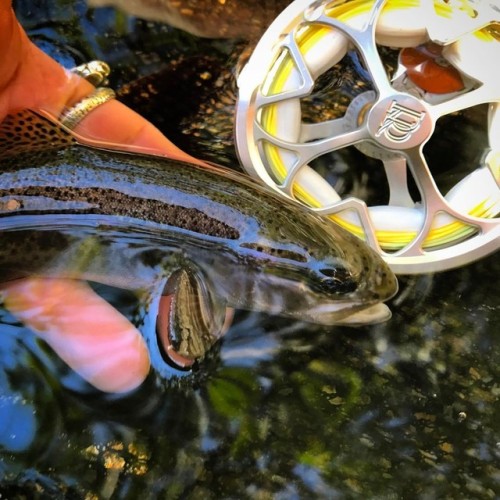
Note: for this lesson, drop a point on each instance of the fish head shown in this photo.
(311, 269)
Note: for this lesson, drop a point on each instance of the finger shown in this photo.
(30, 79)
(115, 123)
(86, 332)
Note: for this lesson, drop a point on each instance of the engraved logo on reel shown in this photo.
(400, 122)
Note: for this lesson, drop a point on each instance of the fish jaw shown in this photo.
(350, 314)
(371, 315)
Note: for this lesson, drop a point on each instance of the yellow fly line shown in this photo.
(438, 236)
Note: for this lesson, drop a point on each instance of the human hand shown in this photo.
(30, 79)
(84, 330)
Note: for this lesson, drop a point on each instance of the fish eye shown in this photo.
(282, 253)
(336, 280)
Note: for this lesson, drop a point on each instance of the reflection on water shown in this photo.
(279, 409)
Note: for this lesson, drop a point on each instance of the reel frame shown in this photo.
(392, 123)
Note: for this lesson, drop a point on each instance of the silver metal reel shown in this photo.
(391, 121)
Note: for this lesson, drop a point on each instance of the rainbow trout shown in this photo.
(134, 221)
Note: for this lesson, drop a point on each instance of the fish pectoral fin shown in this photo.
(190, 318)
(377, 313)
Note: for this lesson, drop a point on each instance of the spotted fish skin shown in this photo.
(28, 131)
(257, 250)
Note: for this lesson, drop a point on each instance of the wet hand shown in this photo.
(30, 79)
(85, 331)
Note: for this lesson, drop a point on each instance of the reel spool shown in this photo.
(444, 55)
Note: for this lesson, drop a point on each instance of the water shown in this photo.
(280, 409)
(408, 409)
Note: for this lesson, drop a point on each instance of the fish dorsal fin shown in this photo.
(191, 318)
(27, 131)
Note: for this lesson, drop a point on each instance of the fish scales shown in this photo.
(256, 249)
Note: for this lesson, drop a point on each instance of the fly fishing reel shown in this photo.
(334, 86)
